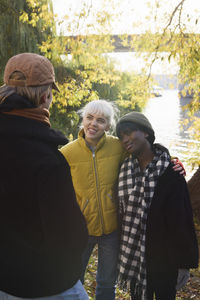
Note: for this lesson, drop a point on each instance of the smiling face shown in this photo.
(94, 126)
(134, 142)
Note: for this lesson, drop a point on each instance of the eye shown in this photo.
(101, 121)
(127, 132)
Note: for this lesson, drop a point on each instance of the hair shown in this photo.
(32, 93)
(101, 107)
(127, 127)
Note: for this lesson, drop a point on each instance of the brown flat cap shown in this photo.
(37, 70)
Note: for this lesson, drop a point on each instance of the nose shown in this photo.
(94, 122)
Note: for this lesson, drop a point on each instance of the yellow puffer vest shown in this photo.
(95, 176)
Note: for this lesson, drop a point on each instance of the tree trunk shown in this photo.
(194, 190)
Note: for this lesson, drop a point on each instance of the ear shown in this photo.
(43, 98)
(146, 134)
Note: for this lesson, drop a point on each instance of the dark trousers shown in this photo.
(161, 284)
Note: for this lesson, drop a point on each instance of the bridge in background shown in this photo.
(125, 43)
(118, 41)
(119, 45)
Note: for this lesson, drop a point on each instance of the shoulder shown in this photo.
(69, 147)
(53, 160)
(172, 173)
(112, 147)
(112, 138)
(113, 141)
(171, 178)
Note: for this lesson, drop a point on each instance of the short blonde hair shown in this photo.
(32, 93)
(101, 107)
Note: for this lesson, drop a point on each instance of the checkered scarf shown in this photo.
(136, 190)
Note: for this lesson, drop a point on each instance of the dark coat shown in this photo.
(170, 237)
(42, 231)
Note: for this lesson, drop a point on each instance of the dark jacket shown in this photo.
(42, 231)
(170, 237)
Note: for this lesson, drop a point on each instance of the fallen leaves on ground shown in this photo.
(191, 290)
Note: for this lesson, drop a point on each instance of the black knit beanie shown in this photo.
(138, 119)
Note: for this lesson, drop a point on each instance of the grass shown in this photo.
(190, 291)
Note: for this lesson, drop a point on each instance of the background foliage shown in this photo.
(84, 73)
(82, 70)
(179, 38)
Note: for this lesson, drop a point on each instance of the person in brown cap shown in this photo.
(42, 230)
(158, 244)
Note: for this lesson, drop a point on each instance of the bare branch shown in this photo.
(180, 8)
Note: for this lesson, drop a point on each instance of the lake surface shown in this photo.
(165, 114)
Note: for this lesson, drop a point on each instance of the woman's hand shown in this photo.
(178, 166)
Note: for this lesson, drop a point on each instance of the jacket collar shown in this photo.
(81, 139)
(15, 101)
(12, 126)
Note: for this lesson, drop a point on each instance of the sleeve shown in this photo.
(182, 242)
(62, 221)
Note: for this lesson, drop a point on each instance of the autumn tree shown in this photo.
(175, 33)
(179, 38)
(17, 36)
(84, 71)
(78, 52)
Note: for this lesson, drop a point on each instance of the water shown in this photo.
(165, 114)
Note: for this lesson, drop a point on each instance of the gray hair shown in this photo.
(32, 93)
(101, 107)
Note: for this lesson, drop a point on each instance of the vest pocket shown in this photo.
(111, 198)
(85, 205)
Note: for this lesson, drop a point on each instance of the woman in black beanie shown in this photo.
(158, 244)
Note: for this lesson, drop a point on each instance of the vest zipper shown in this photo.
(98, 197)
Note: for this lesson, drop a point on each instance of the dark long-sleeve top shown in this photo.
(170, 234)
(42, 230)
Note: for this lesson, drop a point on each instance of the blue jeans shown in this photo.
(108, 249)
(77, 292)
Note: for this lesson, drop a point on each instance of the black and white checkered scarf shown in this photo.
(136, 190)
